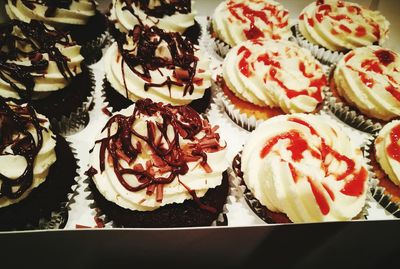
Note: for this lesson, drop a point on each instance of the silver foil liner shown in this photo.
(324, 55)
(79, 119)
(259, 209)
(378, 192)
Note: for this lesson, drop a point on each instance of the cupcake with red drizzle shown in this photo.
(385, 163)
(37, 170)
(158, 165)
(265, 78)
(330, 28)
(169, 15)
(235, 21)
(164, 67)
(80, 18)
(367, 80)
(303, 168)
(43, 66)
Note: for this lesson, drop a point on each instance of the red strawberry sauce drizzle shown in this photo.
(354, 185)
(168, 156)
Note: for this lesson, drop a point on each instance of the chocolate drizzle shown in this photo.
(14, 136)
(36, 40)
(52, 5)
(143, 58)
(168, 157)
(165, 8)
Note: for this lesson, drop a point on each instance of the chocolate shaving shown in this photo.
(165, 7)
(39, 39)
(14, 122)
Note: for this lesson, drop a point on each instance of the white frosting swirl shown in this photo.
(235, 21)
(305, 172)
(369, 78)
(13, 165)
(52, 79)
(78, 13)
(386, 148)
(119, 74)
(340, 25)
(125, 20)
(196, 178)
(271, 73)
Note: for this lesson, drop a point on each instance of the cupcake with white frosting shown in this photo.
(330, 28)
(37, 169)
(235, 21)
(171, 16)
(304, 168)
(367, 80)
(265, 78)
(43, 66)
(78, 17)
(164, 67)
(158, 165)
(385, 163)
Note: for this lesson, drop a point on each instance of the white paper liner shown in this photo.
(324, 55)
(215, 44)
(378, 192)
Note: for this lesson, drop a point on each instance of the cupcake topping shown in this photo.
(50, 4)
(340, 25)
(238, 20)
(313, 171)
(287, 73)
(154, 49)
(16, 140)
(163, 141)
(159, 8)
(370, 78)
(22, 49)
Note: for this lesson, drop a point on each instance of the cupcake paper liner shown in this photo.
(92, 51)
(324, 55)
(378, 192)
(349, 116)
(259, 209)
(215, 44)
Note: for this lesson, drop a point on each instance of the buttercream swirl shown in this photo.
(235, 21)
(306, 167)
(387, 150)
(271, 73)
(169, 69)
(150, 155)
(171, 16)
(35, 60)
(27, 150)
(54, 13)
(369, 79)
(341, 25)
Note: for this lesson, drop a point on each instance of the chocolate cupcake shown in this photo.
(366, 81)
(385, 164)
(265, 78)
(151, 63)
(37, 170)
(171, 16)
(80, 18)
(331, 28)
(43, 66)
(235, 21)
(158, 165)
(303, 168)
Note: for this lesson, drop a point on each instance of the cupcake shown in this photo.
(304, 168)
(385, 163)
(37, 170)
(78, 17)
(235, 21)
(171, 16)
(158, 165)
(162, 66)
(265, 78)
(330, 28)
(367, 80)
(43, 66)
